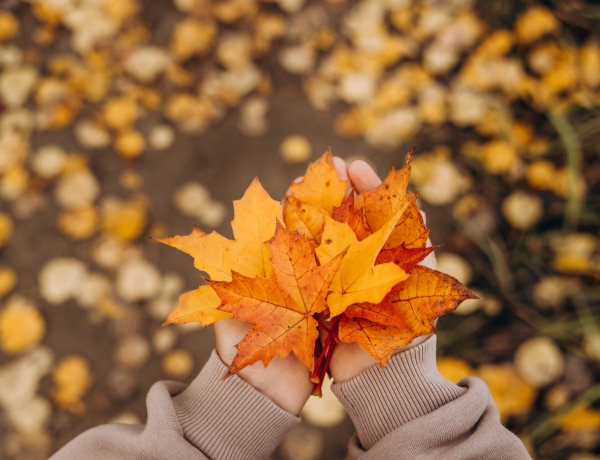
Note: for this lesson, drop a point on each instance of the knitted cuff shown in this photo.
(228, 418)
(410, 386)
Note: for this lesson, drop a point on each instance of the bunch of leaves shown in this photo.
(326, 257)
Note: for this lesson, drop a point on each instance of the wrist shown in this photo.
(351, 359)
(286, 382)
(228, 417)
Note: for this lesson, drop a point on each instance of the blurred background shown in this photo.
(124, 119)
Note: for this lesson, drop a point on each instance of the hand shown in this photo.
(286, 381)
(350, 359)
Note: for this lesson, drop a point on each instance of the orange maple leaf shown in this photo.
(377, 339)
(410, 230)
(310, 201)
(281, 308)
(404, 257)
(349, 214)
(409, 311)
(383, 201)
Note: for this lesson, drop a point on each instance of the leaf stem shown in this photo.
(324, 356)
(323, 325)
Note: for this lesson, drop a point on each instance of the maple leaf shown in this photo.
(200, 305)
(359, 279)
(212, 253)
(383, 201)
(428, 294)
(405, 257)
(410, 230)
(255, 216)
(281, 308)
(407, 312)
(304, 218)
(377, 339)
(354, 259)
(321, 186)
(354, 217)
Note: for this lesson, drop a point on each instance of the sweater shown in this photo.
(405, 411)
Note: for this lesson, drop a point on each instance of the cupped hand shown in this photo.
(286, 381)
(350, 359)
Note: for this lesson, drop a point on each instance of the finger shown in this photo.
(228, 333)
(342, 172)
(340, 168)
(362, 176)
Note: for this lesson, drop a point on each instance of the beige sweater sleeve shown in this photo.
(210, 418)
(409, 411)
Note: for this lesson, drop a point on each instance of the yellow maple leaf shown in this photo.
(359, 279)
(255, 217)
(200, 305)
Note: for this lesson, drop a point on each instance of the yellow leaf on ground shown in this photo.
(178, 364)
(454, 369)
(8, 280)
(72, 379)
(124, 219)
(6, 228)
(512, 395)
(21, 326)
(581, 418)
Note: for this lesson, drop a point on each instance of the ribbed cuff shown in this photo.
(228, 418)
(410, 386)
